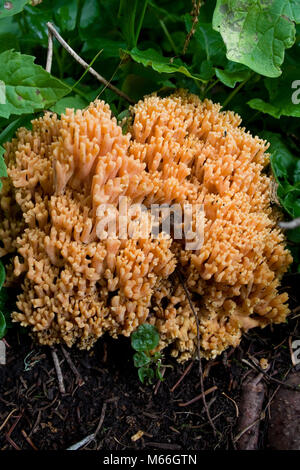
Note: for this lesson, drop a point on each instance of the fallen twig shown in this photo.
(84, 64)
(272, 379)
(8, 434)
(291, 224)
(82, 443)
(7, 418)
(28, 439)
(50, 51)
(250, 413)
(186, 371)
(237, 411)
(198, 397)
(198, 350)
(58, 372)
(79, 379)
(90, 437)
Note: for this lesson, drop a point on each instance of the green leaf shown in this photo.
(146, 373)
(284, 94)
(109, 47)
(66, 14)
(208, 40)
(2, 326)
(159, 63)
(286, 169)
(8, 41)
(12, 7)
(233, 74)
(158, 372)
(145, 338)
(3, 298)
(28, 86)
(256, 33)
(75, 102)
(140, 359)
(2, 275)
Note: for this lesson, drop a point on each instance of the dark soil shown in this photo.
(40, 417)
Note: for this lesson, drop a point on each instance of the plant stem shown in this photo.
(86, 71)
(165, 30)
(141, 21)
(235, 91)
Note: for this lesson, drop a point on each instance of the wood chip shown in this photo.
(137, 436)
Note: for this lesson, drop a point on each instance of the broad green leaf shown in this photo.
(256, 32)
(284, 94)
(2, 325)
(145, 338)
(66, 14)
(12, 7)
(286, 169)
(8, 41)
(2, 274)
(208, 40)
(233, 74)
(28, 86)
(159, 63)
(75, 102)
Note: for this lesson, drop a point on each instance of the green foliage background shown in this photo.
(244, 54)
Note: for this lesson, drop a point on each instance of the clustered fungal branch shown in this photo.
(178, 150)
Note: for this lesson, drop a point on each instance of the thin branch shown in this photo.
(90, 437)
(198, 397)
(187, 370)
(291, 224)
(85, 64)
(198, 350)
(194, 14)
(80, 381)
(58, 372)
(50, 52)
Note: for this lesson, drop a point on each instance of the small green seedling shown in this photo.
(144, 340)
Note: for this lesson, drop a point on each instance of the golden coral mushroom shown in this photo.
(66, 175)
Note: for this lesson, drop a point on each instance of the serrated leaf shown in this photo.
(12, 7)
(28, 87)
(159, 63)
(256, 33)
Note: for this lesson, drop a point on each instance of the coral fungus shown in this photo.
(179, 150)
